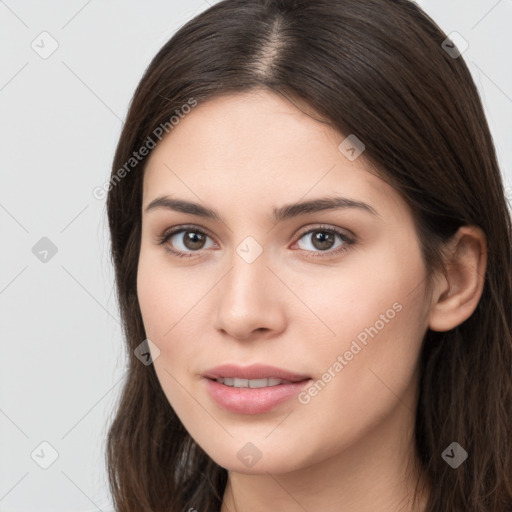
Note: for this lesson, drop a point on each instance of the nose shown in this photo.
(250, 300)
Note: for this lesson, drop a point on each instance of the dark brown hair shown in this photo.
(377, 69)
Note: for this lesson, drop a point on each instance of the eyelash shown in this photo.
(348, 241)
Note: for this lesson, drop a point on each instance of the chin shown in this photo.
(247, 458)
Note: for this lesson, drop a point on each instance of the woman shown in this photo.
(312, 250)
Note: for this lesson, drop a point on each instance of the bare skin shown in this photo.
(299, 305)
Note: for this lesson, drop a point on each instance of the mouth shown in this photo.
(252, 390)
(242, 376)
(252, 383)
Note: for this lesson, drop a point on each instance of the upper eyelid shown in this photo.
(326, 227)
(190, 227)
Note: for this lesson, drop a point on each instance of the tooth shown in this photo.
(258, 383)
(274, 382)
(228, 381)
(240, 383)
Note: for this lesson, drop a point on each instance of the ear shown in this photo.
(458, 291)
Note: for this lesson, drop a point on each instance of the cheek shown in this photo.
(166, 294)
(377, 314)
(371, 368)
(351, 297)
(165, 302)
(171, 301)
(152, 296)
(361, 385)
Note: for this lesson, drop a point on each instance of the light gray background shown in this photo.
(62, 364)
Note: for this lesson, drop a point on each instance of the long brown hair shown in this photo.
(378, 69)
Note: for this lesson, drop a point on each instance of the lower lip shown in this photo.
(252, 400)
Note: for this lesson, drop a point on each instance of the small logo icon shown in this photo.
(249, 249)
(147, 352)
(44, 250)
(455, 45)
(44, 45)
(352, 147)
(454, 455)
(44, 455)
(249, 454)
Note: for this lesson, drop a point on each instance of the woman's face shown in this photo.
(333, 296)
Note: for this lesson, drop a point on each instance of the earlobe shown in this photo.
(458, 291)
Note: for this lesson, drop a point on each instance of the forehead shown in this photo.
(257, 146)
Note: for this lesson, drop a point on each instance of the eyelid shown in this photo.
(168, 233)
(347, 239)
(184, 227)
(326, 227)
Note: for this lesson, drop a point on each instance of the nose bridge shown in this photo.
(247, 298)
(247, 281)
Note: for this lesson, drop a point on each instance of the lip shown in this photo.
(255, 371)
(252, 400)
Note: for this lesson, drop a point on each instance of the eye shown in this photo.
(323, 239)
(184, 240)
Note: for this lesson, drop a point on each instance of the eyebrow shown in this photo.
(279, 214)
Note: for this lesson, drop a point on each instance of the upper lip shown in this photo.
(255, 371)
